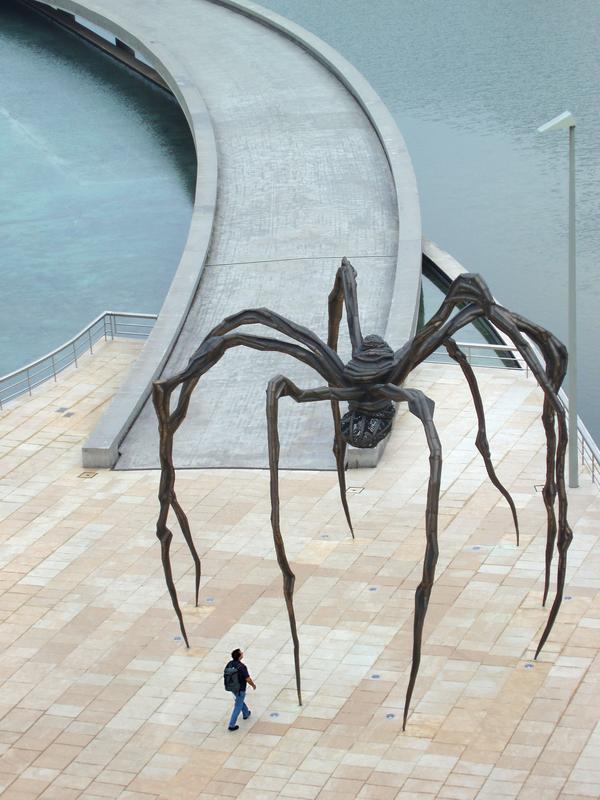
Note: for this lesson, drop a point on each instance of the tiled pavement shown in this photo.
(100, 699)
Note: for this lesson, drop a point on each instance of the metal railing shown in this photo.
(109, 325)
(124, 324)
(486, 354)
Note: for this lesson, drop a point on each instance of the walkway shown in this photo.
(100, 699)
(303, 179)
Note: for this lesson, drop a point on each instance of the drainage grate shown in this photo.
(354, 489)
(87, 474)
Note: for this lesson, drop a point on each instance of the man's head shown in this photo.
(237, 654)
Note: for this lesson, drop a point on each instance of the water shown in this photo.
(469, 82)
(97, 173)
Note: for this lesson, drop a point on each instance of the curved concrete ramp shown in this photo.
(303, 180)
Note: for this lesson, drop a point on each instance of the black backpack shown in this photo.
(231, 678)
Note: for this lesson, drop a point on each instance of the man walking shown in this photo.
(243, 678)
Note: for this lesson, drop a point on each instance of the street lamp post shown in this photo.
(567, 120)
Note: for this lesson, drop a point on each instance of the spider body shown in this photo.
(372, 383)
(364, 425)
(368, 420)
(370, 363)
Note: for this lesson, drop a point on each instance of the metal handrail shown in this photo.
(498, 355)
(109, 324)
(501, 355)
(113, 324)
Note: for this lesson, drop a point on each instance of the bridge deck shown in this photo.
(303, 180)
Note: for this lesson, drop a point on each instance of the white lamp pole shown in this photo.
(567, 120)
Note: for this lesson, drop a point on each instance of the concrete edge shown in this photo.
(403, 314)
(101, 449)
(452, 269)
(119, 50)
(443, 260)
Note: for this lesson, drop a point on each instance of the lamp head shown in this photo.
(564, 120)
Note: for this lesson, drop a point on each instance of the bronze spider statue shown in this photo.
(371, 382)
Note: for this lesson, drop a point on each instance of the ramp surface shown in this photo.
(303, 181)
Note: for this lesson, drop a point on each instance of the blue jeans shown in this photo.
(239, 705)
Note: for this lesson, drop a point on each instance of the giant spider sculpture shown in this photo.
(372, 382)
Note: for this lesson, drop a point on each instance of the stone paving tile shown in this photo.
(100, 699)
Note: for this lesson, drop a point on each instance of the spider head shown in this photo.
(367, 425)
(370, 361)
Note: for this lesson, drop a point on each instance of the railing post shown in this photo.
(53, 369)
(75, 355)
(104, 325)
(90, 340)
(29, 383)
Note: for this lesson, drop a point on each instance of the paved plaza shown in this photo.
(101, 699)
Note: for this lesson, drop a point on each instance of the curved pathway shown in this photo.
(303, 180)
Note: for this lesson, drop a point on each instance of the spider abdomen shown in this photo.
(367, 426)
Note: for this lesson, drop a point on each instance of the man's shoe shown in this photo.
(249, 714)
(235, 728)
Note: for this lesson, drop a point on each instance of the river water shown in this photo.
(469, 82)
(97, 173)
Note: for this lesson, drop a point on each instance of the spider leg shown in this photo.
(481, 441)
(555, 355)
(549, 379)
(422, 407)
(472, 290)
(277, 388)
(330, 362)
(342, 293)
(549, 491)
(339, 451)
(556, 361)
(273, 394)
(167, 498)
(207, 355)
